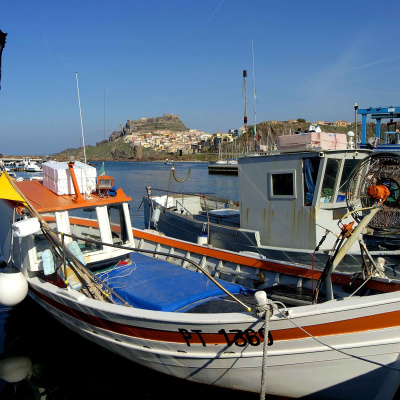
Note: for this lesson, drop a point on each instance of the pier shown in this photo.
(223, 169)
(10, 160)
(19, 163)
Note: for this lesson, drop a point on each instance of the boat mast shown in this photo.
(245, 110)
(255, 97)
(80, 113)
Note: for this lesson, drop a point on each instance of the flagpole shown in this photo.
(80, 113)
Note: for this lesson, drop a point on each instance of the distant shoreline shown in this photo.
(100, 160)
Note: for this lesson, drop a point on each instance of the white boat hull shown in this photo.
(195, 347)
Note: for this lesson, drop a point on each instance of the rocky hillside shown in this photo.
(170, 122)
(119, 151)
(104, 151)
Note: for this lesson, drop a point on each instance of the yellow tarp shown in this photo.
(7, 191)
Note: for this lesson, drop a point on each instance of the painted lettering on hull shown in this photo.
(232, 337)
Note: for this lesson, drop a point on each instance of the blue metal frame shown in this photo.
(376, 113)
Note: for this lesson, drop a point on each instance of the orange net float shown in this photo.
(379, 192)
(347, 229)
(21, 210)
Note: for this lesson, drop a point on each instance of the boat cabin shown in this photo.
(92, 214)
(293, 198)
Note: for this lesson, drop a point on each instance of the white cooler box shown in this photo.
(57, 177)
(310, 140)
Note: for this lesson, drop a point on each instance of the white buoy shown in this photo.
(350, 140)
(15, 369)
(156, 215)
(26, 227)
(202, 239)
(13, 286)
(261, 298)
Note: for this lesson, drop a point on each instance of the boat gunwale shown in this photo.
(266, 264)
(149, 323)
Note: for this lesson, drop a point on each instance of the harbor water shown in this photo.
(135, 177)
(42, 359)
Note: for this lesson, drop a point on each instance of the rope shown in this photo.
(313, 256)
(178, 180)
(268, 314)
(264, 308)
(140, 205)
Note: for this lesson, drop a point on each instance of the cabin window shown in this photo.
(330, 178)
(310, 173)
(348, 167)
(282, 184)
(119, 230)
(84, 224)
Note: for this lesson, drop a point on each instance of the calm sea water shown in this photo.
(133, 177)
(41, 359)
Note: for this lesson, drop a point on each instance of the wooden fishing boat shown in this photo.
(208, 315)
(288, 201)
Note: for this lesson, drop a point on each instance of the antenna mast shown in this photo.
(245, 110)
(80, 113)
(255, 97)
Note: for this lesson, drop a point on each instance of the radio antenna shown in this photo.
(80, 113)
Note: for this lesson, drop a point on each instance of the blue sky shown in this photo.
(134, 59)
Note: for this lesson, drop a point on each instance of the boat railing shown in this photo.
(178, 203)
(209, 197)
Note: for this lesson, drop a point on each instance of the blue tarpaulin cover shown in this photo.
(153, 284)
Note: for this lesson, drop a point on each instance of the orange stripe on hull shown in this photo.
(232, 336)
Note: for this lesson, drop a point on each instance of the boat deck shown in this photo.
(289, 295)
(153, 284)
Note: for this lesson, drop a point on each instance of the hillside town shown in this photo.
(174, 141)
